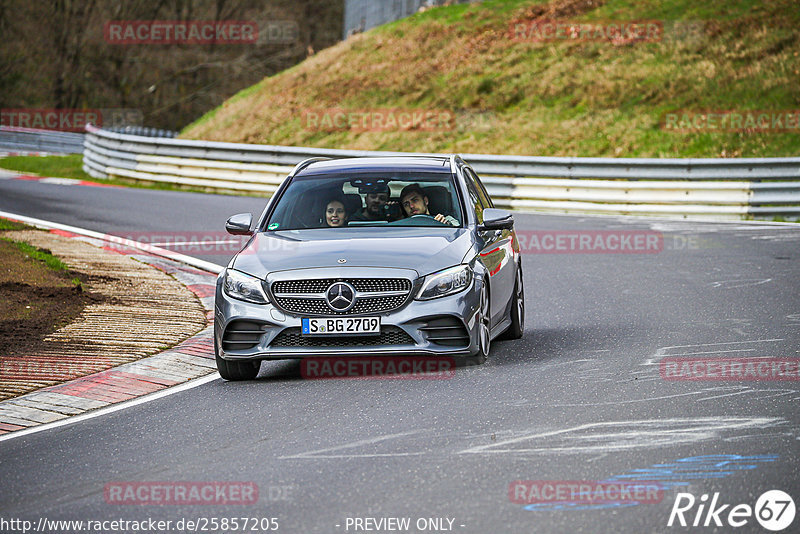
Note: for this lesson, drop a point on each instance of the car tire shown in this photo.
(484, 333)
(232, 370)
(517, 313)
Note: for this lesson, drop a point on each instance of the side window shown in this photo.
(485, 200)
(474, 197)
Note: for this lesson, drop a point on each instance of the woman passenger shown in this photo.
(335, 214)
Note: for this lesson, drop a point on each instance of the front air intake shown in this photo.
(242, 335)
(446, 330)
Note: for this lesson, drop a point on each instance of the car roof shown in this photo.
(378, 164)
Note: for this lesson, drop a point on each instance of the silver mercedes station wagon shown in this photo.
(380, 256)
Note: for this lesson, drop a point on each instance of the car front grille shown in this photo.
(308, 296)
(390, 335)
(319, 285)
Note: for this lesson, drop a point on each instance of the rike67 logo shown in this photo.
(774, 510)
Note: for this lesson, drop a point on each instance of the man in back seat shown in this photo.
(375, 200)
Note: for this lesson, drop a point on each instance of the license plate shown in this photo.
(325, 326)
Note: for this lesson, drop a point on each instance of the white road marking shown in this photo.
(735, 284)
(720, 343)
(777, 237)
(717, 352)
(649, 399)
(158, 251)
(113, 408)
(773, 393)
(320, 453)
(742, 392)
(194, 262)
(666, 351)
(597, 439)
(625, 435)
(759, 437)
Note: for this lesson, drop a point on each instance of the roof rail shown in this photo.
(305, 163)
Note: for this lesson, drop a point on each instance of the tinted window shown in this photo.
(485, 200)
(474, 198)
(324, 201)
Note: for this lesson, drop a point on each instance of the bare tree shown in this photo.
(54, 54)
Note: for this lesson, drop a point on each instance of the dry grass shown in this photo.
(584, 98)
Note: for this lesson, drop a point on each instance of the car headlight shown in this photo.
(244, 287)
(446, 282)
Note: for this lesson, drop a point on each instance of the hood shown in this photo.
(423, 249)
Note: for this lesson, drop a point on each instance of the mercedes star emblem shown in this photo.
(340, 296)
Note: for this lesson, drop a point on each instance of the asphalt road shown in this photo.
(580, 398)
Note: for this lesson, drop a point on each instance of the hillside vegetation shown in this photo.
(517, 96)
(56, 54)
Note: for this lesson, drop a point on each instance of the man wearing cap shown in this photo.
(415, 202)
(375, 200)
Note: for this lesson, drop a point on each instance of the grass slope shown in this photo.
(556, 98)
(59, 166)
(39, 295)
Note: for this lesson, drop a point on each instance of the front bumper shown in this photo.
(406, 330)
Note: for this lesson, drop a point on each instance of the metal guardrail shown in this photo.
(142, 131)
(698, 188)
(43, 141)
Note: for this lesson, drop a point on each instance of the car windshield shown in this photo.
(358, 200)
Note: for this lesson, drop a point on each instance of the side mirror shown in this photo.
(496, 219)
(240, 224)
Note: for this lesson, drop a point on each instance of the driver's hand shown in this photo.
(444, 220)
